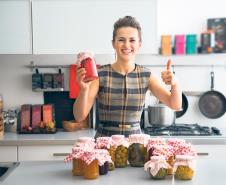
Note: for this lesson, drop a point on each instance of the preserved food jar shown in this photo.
(157, 167)
(78, 167)
(91, 170)
(103, 169)
(137, 149)
(184, 167)
(121, 152)
(108, 144)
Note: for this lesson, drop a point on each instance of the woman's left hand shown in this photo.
(167, 75)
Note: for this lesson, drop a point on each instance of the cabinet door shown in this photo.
(43, 153)
(68, 27)
(15, 32)
(8, 153)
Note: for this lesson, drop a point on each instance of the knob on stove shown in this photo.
(216, 130)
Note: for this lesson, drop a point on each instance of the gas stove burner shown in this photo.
(182, 130)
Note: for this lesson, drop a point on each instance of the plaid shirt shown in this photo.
(121, 99)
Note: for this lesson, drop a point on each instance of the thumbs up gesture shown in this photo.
(167, 75)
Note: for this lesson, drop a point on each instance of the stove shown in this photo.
(182, 130)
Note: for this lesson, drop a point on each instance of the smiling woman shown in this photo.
(122, 86)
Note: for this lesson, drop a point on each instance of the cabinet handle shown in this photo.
(202, 153)
(60, 154)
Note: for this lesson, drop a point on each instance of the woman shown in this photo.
(121, 87)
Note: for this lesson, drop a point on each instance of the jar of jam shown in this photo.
(108, 144)
(91, 165)
(103, 169)
(104, 159)
(91, 170)
(137, 149)
(157, 167)
(184, 167)
(121, 152)
(86, 60)
(78, 167)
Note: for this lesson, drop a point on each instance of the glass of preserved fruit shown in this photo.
(108, 144)
(184, 167)
(137, 149)
(157, 167)
(121, 152)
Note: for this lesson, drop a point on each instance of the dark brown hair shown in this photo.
(127, 21)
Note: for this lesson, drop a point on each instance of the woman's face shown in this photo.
(127, 43)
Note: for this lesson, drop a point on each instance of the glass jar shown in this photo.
(137, 155)
(121, 153)
(137, 150)
(108, 144)
(184, 167)
(103, 170)
(91, 171)
(157, 167)
(170, 161)
(78, 167)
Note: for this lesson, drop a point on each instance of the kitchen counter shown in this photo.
(68, 138)
(209, 171)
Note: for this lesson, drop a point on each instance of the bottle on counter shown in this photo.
(121, 152)
(157, 167)
(184, 167)
(137, 149)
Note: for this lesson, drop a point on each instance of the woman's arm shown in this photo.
(172, 98)
(86, 97)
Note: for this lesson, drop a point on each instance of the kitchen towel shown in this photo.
(74, 87)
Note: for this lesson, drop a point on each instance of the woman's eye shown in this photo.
(132, 41)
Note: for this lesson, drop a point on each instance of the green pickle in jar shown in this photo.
(160, 175)
(184, 173)
(121, 156)
(137, 155)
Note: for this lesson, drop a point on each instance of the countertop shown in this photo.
(68, 138)
(208, 171)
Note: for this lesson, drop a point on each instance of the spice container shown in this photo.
(137, 149)
(157, 167)
(121, 151)
(184, 167)
(108, 144)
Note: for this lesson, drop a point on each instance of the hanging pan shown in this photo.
(212, 104)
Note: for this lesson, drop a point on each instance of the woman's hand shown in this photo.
(80, 75)
(167, 75)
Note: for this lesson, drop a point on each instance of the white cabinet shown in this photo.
(8, 153)
(43, 153)
(68, 27)
(211, 150)
(15, 32)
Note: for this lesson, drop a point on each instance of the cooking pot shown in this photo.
(160, 115)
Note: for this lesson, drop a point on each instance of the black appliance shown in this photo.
(182, 130)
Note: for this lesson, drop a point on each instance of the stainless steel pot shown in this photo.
(160, 115)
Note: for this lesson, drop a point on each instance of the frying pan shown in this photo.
(212, 104)
(184, 104)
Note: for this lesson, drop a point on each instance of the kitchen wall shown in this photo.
(173, 17)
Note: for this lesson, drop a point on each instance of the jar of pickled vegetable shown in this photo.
(137, 149)
(157, 167)
(121, 151)
(184, 167)
(108, 144)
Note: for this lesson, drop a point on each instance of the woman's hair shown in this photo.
(127, 21)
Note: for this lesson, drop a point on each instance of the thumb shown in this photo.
(169, 63)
